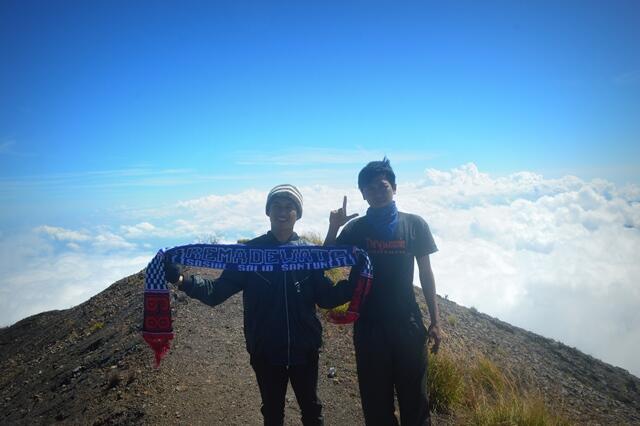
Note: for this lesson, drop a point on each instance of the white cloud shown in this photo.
(101, 238)
(73, 246)
(39, 277)
(233, 215)
(109, 240)
(62, 234)
(242, 215)
(142, 229)
(556, 256)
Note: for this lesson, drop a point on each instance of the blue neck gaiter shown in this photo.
(384, 220)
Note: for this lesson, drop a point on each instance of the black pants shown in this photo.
(388, 357)
(273, 379)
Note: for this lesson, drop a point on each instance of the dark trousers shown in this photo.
(272, 381)
(388, 357)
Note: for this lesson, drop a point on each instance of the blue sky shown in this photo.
(134, 90)
(123, 123)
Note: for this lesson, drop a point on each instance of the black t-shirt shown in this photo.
(392, 296)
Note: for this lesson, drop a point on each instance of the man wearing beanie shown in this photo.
(287, 191)
(283, 334)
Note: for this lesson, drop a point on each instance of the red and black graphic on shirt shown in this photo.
(386, 247)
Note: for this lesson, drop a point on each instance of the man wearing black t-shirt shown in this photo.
(390, 337)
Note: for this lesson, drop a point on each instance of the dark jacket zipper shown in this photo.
(286, 308)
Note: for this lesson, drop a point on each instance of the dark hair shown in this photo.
(376, 168)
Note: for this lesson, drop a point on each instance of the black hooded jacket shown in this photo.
(280, 322)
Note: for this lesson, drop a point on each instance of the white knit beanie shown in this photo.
(285, 190)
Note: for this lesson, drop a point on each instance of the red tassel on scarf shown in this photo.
(352, 313)
(157, 330)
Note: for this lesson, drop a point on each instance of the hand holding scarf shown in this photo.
(157, 330)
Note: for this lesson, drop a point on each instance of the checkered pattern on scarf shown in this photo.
(154, 280)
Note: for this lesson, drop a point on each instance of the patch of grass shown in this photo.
(97, 325)
(337, 274)
(524, 410)
(452, 320)
(487, 377)
(445, 383)
(480, 393)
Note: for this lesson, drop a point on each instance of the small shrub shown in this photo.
(445, 383)
(487, 376)
(492, 397)
(475, 391)
(97, 325)
(452, 320)
(516, 410)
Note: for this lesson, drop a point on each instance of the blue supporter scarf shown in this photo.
(384, 220)
(157, 330)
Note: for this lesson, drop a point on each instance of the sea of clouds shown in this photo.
(555, 256)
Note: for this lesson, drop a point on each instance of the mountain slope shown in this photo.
(89, 365)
